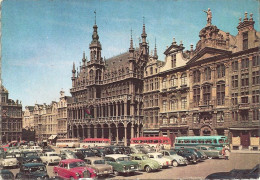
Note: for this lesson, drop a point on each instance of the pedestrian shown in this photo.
(157, 147)
(223, 151)
(227, 153)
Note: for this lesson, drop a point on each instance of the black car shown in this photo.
(253, 173)
(114, 149)
(186, 154)
(32, 171)
(29, 157)
(194, 151)
(6, 174)
(83, 153)
(100, 152)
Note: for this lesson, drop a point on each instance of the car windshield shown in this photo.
(123, 159)
(53, 154)
(172, 153)
(37, 168)
(99, 162)
(77, 164)
(31, 154)
(145, 157)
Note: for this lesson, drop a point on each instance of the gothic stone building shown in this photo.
(11, 118)
(107, 94)
(212, 90)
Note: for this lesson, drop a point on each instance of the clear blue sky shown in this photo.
(41, 39)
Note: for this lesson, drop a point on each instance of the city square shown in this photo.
(132, 78)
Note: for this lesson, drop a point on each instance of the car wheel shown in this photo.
(148, 169)
(71, 178)
(116, 173)
(174, 163)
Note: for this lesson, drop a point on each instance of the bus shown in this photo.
(191, 141)
(151, 141)
(69, 142)
(92, 142)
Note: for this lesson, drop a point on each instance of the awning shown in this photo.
(52, 137)
(151, 131)
(243, 129)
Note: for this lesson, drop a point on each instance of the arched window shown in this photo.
(173, 120)
(184, 79)
(173, 81)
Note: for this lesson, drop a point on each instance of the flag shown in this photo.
(87, 114)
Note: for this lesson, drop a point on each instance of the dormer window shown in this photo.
(151, 70)
(173, 61)
(245, 40)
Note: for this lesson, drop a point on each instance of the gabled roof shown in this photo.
(208, 53)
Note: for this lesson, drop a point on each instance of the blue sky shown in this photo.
(42, 39)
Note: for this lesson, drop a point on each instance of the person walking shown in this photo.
(227, 153)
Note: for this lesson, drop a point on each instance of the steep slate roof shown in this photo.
(117, 61)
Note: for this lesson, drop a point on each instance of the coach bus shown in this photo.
(92, 142)
(152, 141)
(217, 141)
(68, 142)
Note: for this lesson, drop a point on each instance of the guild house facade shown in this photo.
(212, 89)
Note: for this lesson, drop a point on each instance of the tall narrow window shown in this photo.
(245, 40)
(245, 63)
(221, 94)
(164, 83)
(165, 120)
(183, 79)
(151, 70)
(244, 97)
(235, 81)
(255, 96)
(156, 83)
(173, 60)
(244, 79)
(221, 70)
(234, 115)
(173, 81)
(196, 96)
(164, 105)
(196, 76)
(235, 65)
(184, 103)
(256, 77)
(220, 116)
(206, 94)
(207, 73)
(255, 115)
(234, 99)
(256, 61)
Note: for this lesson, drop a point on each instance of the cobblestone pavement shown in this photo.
(194, 171)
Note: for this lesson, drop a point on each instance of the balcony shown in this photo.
(244, 106)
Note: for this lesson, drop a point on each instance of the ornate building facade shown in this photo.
(11, 118)
(211, 90)
(107, 94)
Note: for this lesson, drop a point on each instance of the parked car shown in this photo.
(6, 174)
(82, 153)
(144, 148)
(114, 149)
(50, 158)
(73, 169)
(32, 171)
(100, 166)
(210, 151)
(121, 164)
(253, 173)
(8, 160)
(145, 163)
(37, 149)
(28, 157)
(194, 151)
(100, 152)
(47, 149)
(175, 159)
(164, 162)
(67, 154)
(186, 154)
(135, 150)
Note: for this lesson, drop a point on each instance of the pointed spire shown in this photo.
(144, 35)
(131, 42)
(155, 51)
(83, 59)
(95, 36)
(73, 68)
(95, 16)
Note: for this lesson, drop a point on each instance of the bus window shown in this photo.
(155, 141)
(186, 141)
(208, 141)
(215, 141)
(193, 141)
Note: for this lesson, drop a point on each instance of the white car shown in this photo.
(164, 162)
(50, 158)
(37, 149)
(9, 160)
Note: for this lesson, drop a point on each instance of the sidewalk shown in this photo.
(245, 151)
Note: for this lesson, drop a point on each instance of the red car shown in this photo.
(73, 169)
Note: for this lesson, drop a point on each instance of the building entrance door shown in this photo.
(245, 139)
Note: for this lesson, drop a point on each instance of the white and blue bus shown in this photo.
(191, 141)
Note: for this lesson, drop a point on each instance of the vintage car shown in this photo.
(8, 160)
(210, 151)
(73, 169)
(164, 162)
(121, 164)
(145, 148)
(32, 171)
(100, 166)
(145, 163)
(28, 157)
(191, 158)
(253, 173)
(135, 150)
(67, 154)
(6, 174)
(50, 158)
(37, 149)
(175, 159)
(100, 152)
(194, 151)
(82, 153)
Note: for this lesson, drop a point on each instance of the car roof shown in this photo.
(116, 155)
(33, 164)
(137, 154)
(71, 160)
(51, 152)
(94, 158)
(155, 153)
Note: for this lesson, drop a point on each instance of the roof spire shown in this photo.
(155, 51)
(95, 16)
(131, 41)
(144, 35)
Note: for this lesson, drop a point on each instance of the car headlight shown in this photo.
(77, 174)
(124, 167)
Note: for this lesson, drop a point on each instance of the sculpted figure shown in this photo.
(209, 16)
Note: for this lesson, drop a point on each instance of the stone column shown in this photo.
(89, 135)
(138, 131)
(125, 108)
(116, 134)
(95, 111)
(95, 131)
(108, 110)
(102, 131)
(132, 131)
(116, 109)
(109, 132)
(125, 127)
